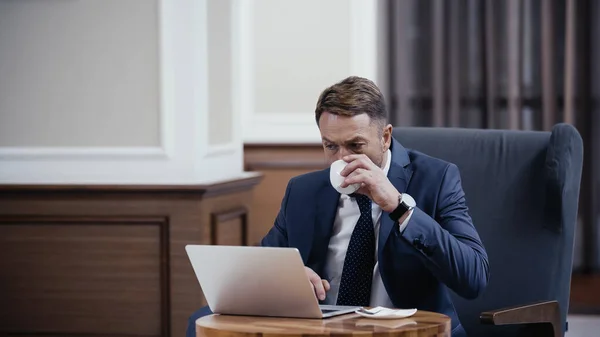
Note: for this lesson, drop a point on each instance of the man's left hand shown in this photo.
(374, 184)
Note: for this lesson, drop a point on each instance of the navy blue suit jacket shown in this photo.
(438, 250)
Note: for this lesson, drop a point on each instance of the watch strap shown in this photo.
(400, 210)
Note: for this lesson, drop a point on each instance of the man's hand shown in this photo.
(374, 183)
(320, 286)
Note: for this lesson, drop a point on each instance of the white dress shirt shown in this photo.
(346, 218)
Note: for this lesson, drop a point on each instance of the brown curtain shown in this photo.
(504, 64)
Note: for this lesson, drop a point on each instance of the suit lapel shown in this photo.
(399, 175)
(327, 203)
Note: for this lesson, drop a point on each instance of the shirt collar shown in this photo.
(388, 160)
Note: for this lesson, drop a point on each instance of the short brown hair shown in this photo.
(350, 97)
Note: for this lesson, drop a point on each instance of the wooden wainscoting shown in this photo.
(278, 163)
(585, 294)
(110, 260)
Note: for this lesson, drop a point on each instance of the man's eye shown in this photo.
(330, 146)
(356, 145)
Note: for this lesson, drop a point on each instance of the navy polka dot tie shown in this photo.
(357, 275)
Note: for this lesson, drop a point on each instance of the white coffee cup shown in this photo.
(337, 179)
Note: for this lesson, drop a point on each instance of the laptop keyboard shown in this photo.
(326, 311)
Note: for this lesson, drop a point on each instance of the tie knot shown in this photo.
(364, 203)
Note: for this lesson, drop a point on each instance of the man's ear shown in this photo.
(387, 137)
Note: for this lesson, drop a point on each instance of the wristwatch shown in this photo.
(405, 204)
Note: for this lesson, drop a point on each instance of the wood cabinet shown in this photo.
(110, 260)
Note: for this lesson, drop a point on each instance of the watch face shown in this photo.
(408, 200)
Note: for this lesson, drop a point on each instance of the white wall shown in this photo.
(81, 73)
(291, 51)
(118, 92)
(167, 91)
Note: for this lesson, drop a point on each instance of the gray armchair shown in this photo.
(522, 189)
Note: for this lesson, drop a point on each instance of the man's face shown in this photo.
(343, 135)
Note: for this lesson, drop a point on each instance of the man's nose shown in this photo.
(342, 153)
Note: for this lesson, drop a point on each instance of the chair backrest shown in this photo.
(522, 190)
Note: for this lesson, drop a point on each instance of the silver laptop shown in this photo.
(257, 281)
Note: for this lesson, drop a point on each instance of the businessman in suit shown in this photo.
(404, 239)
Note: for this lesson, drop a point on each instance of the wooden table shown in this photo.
(421, 324)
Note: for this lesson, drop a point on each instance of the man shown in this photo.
(403, 239)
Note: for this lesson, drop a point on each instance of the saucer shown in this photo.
(386, 313)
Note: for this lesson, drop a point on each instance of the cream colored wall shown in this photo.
(119, 92)
(291, 50)
(300, 48)
(166, 91)
(79, 73)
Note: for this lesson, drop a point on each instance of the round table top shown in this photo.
(422, 323)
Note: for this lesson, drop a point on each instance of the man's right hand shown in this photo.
(320, 286)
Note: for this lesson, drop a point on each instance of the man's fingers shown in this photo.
(353, 166)
(352, 176)
(315, 280)
(319, 289)
(326, 285)
(364, 190)
(362, 176)
(357, 161)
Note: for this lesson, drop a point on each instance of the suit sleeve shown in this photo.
(449, 244)
(277, 235)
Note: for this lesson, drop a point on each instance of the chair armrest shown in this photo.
(540, 312)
